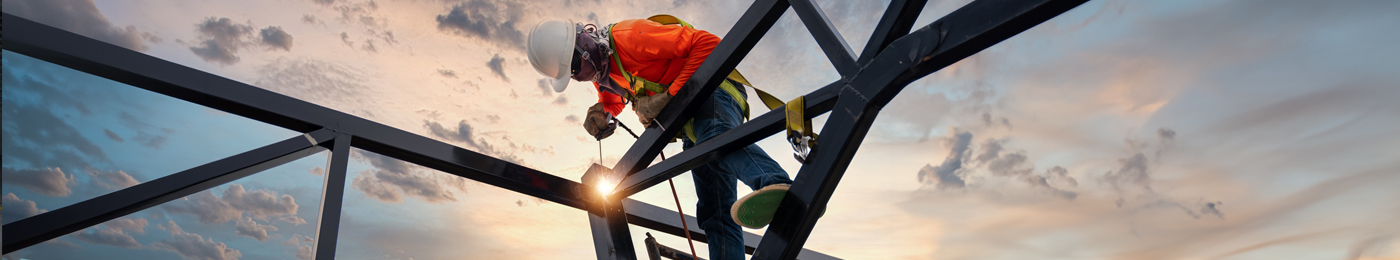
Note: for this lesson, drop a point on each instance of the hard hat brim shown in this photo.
(560, 83)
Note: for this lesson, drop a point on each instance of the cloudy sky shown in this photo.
(1245, 129)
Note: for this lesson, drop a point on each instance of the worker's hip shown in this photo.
(718, 114)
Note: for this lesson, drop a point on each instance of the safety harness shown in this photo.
(799, 128)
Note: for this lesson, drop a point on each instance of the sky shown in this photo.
(1122, 129)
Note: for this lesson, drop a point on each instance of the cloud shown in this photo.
(491, 21)
(1209, 209)
(317, 171)
(77, 16)
(391, 180)
(249, 228)
(113, 136)
(447, 73)
(315, 81)
(220, 40)
(274, 37)
(135, 225)
(194, 246)
(497, 66)
(146, 134)
(259, 204)
(108, 236)
(304, 252)
(561, 100)
(50, 182)
(545, 88)
(44, 138)
(945, 174)
(572, 119)
(113, 180)
(309, 19)
(16, 208)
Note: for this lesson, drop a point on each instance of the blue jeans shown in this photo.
(714, 181)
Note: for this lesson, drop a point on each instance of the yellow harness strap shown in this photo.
(797, 123)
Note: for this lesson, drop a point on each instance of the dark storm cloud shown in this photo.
(194, 246)
(220, 39)
(77, 16)
(250, 228)
(275, 37)
(50, 182)
(17, 208)
(260, 204)
(490, 21)
(945, 174)
(497, 66)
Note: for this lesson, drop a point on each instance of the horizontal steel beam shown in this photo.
(818, 102)
(960, 34)
(664, 220)
(73, 218)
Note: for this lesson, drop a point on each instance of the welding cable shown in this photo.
(673, 191)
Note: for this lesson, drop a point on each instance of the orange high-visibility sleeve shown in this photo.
(612, 103)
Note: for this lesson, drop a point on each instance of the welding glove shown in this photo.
(599, 123)
(649, 106)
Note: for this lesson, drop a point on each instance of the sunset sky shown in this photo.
(1246, 129)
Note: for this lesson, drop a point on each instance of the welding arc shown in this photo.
(668, 181)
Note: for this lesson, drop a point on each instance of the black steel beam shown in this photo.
(818, 102)
(960, 34)
(827, 36)
(899, 17)
(608, 222)
(735, 45)
(73, 218)
(140, 70)
(332, 198)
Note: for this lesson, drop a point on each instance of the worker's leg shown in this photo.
(715, 181)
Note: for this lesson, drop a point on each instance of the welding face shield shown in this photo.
(590, 58)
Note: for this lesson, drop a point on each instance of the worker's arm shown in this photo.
(675, 42)
(612, 103)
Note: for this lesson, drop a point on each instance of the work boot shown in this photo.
(756, 209)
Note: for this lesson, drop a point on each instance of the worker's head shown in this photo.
(562, 50)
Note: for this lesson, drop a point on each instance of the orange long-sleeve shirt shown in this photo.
(666, 54)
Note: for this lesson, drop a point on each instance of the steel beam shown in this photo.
(818, 102)
(899, 17)
(332, 198)
(827, 37)
(143, 71)
(736, 44)
(960, 34)
(73, 218)
(664, 220)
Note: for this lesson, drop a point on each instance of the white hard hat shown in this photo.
(551, 48)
